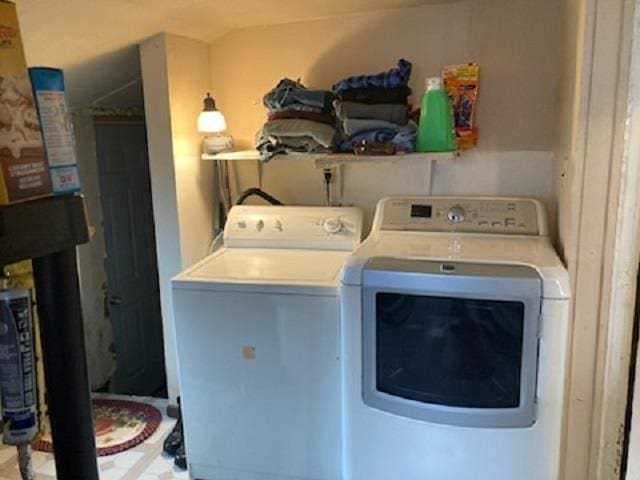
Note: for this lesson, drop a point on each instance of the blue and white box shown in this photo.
(56, 127)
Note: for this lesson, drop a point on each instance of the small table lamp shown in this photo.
(212, 121)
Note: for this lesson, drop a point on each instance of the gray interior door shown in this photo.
(132, 272)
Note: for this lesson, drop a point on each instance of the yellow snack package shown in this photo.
(461, 84)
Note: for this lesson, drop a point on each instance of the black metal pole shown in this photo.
(68, 391)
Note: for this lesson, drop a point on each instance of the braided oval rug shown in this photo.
(119, 425)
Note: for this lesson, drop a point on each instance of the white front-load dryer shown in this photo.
(455, 315)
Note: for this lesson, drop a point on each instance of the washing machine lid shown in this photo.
(268, 268)
(536, 252)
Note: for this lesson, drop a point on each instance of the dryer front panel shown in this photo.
(451, 343)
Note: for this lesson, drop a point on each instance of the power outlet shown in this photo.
(336, 185)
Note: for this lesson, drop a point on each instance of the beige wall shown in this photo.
(188, 70)
(514, 41)
(570, 90)
(175, 77)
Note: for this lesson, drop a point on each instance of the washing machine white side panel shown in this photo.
(382, 446)
(260, 385)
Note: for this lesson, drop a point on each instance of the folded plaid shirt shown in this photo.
(394, 78)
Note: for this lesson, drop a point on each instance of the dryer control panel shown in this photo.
(510, 216)
(324, 228)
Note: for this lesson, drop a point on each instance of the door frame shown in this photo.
(602, 244)
(624, 284)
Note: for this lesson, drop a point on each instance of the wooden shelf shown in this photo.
(232, 156)
(335, 159)
(328, 160)
(40, 227)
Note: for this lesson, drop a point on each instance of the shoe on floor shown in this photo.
(175, 438)
(180, 460)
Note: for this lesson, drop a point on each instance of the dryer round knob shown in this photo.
(332, 225)
(456, 214)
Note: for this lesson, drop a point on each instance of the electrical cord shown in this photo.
(328, 176)
(216, 242)
(258, 193)
(224, 186)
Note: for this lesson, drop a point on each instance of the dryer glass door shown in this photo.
(451, 343)
(457, 352)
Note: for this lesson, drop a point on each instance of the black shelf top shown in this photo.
(41, 227)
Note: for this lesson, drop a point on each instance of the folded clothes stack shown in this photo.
(373, 111)
(300, 120)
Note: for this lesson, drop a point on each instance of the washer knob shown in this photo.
(332, 225)
(456, 214)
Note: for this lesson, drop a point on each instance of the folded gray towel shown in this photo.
(388, 112)
(321, 132)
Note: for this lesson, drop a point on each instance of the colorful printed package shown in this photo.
(56, 128)
(461, 84)
(23, 166)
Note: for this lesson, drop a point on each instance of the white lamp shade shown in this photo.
(211, 122)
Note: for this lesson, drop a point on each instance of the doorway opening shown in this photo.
(131, 293)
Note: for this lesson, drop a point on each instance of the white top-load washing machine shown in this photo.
(258, 344)
(455, 316)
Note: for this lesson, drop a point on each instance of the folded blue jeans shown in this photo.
(289, 92)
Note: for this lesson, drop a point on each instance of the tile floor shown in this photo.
(143, 462)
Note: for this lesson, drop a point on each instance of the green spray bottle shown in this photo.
(435, 129)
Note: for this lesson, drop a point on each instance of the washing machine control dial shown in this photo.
(456, 214)
(332, 225)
